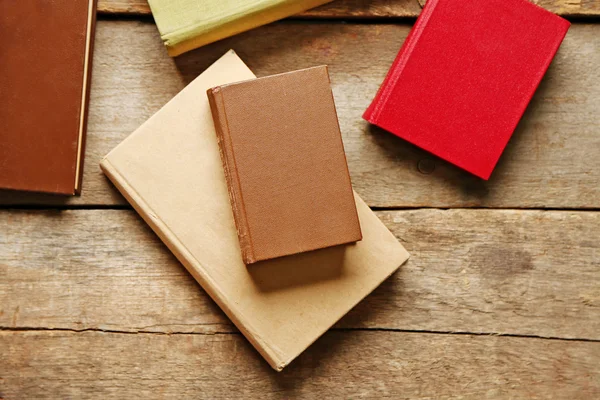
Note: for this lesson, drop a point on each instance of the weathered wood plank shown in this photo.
(369, 8)
(336, 9)
(550, 162)
(482, 271)
(339, 365)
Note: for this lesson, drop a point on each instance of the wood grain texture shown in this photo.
(369, 8)
(339, 365)
(154, 333)
(480, 271)
(551, 160)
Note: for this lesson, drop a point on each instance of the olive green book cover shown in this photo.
(187, 24)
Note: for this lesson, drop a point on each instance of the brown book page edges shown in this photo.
(85, 96)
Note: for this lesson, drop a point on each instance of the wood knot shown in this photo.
(426, 166)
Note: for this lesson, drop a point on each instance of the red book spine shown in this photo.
(372, 112)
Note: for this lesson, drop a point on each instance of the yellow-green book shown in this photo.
(187, 24)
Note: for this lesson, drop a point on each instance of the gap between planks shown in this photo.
(212, 333)
(119, 207)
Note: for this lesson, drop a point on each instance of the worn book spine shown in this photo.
(372, 113)
(215, 99)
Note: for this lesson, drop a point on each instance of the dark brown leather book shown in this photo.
(285, 165)
(45, 64)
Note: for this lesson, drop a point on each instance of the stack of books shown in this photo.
(265, 183)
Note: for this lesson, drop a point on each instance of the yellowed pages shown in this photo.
(171, 172)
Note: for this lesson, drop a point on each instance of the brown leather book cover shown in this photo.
(285, 164)
(45, 63)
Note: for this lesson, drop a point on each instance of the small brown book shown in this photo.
(45, 63)
(285, 164)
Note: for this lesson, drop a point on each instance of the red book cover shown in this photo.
(464, 77)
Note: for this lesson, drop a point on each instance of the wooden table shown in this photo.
(500, 299)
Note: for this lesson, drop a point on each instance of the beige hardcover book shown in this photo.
(171, 172)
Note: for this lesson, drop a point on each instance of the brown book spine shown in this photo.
(215, 98)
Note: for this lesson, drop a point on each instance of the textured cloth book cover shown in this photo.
(285, 165)
(465, 76)
(45, 65)
(171, 172)
(187, 24)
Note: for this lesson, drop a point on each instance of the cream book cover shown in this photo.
(170, 171)
(187, 24)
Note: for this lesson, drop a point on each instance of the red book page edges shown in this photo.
(464, 77)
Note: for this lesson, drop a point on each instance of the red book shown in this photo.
(464, 77)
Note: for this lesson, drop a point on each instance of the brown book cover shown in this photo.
(45, 63)
(285, 165)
